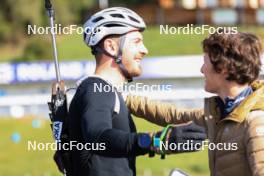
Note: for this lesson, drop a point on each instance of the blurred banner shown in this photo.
(158, 67)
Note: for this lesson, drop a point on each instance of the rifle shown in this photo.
(58, 105)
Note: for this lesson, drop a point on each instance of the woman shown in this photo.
(235, 117)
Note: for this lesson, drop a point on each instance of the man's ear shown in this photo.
(111, 46)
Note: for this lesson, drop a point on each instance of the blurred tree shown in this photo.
(36, 49)
(16, 15)
(5, 29)
(79, 9)
(63, 11)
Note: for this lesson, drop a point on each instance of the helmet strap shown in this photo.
(118, 57)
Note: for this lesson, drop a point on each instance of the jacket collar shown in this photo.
(253, 102)
(231, 103)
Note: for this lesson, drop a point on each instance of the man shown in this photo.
(234, 117)
(100, 118)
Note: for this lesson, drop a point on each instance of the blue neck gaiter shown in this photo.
(230, 104)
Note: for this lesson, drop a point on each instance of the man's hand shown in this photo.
(179, 138)
(190, 134)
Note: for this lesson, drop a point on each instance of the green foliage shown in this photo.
(15, 15)
(5, 29)
(63, 12)
(25, 11)
(81, 8)
(37, 49)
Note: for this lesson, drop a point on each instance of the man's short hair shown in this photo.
(239, 54)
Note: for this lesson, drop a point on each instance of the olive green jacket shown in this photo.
(243, 128)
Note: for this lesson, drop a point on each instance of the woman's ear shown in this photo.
(225, 72)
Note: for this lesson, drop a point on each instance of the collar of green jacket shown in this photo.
(254, 101)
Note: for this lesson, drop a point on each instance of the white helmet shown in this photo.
(115, 20)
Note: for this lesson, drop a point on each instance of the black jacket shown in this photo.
(93, 121)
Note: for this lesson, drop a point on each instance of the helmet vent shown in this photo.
(114, 25)
(107, 11)
(133, 19)
(117, 15)
(98, 19)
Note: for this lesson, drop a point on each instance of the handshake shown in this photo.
(173, 139)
